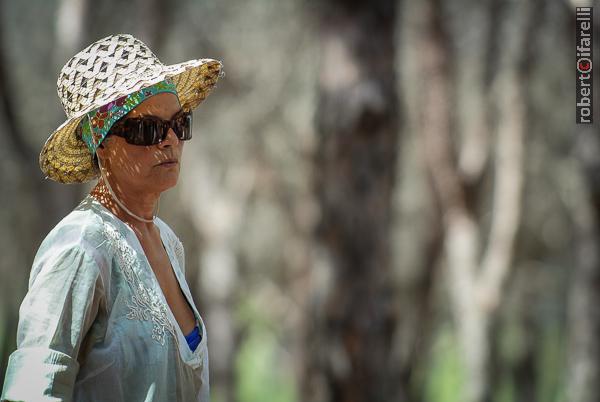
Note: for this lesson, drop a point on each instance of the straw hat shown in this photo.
(106, 70)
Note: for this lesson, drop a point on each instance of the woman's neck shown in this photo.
(142, 205)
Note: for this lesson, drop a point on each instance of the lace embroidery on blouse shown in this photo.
(145, 303)
(178, 247)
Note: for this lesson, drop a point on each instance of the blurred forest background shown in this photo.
(383, 200)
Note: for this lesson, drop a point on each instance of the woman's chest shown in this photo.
(160, 264)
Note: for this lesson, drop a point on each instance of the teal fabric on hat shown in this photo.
(96, 124)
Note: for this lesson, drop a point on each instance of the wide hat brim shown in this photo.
(65, 158)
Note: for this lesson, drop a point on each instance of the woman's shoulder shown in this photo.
(80, 230)
(81, 226)
(75, 238)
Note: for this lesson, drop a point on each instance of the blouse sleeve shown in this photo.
(65, 290)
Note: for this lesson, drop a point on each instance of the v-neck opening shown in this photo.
(172, 318)
(198, 319)
(176, 278)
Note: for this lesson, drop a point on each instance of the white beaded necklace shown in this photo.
(113, 195)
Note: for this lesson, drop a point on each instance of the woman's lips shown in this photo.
(168, 163)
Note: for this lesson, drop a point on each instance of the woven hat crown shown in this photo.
(108, 68)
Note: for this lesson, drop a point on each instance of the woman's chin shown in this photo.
(166, 180)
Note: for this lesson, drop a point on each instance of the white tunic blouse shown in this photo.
(95, 325)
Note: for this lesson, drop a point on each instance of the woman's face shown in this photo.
(141, 168)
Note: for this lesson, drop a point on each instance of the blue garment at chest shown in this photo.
(193, 338)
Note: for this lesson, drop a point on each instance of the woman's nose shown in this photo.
(170, 139)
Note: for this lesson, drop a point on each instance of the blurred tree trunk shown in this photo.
(477, 268)
(357, 125)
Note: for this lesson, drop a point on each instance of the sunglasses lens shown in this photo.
(183, 126)
(151, 132)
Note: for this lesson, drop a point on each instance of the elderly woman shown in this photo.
(108, 315)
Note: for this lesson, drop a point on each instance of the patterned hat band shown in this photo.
(96, 124)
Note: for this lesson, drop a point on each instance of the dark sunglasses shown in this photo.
(151, 130)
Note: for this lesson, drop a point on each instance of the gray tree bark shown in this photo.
(357, 125)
